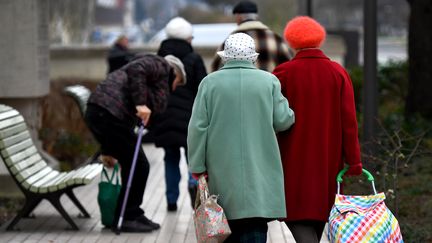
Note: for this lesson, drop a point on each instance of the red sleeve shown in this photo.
(350, 142)
(279, 72)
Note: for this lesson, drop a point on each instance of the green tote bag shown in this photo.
(109, 190)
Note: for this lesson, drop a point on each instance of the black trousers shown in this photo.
(306, 231)
(117, 139)
(248, 230)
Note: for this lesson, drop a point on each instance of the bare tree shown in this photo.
(276, 13)
(70, 21)
(394, 151)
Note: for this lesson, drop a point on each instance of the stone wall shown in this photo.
(24, 58)
(89, 62)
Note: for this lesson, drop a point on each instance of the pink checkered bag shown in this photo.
(211, 225)
(362, 218)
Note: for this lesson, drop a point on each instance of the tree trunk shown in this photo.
(420, 59)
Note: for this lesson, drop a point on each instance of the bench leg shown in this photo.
(34, 204)
(55, 201)
(72, 196)
(30, 204)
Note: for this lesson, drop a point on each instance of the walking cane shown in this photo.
(131, 173)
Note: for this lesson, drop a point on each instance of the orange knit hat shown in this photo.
(304, 32)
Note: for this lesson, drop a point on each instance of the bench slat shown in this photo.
(7, 132)
(61, 183)
(69, 177)
(22, 165)
(89, 177)
(11, 121)
(20, 156)
(78, 177)
(35, 186)
(8, 114)
(35, 177)
(11, 150)
(6, 142)
(30, 171)
(70, 180)
(4, 108)
(82, 176)
(53, 184)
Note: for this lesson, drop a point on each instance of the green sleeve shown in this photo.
(197, 132)
(283, 116)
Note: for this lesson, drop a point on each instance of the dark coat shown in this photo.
(324, 136)
(118, 56)
(143, 81)
(170, 128)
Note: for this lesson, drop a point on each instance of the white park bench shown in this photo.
(80, 94)
(32, 174)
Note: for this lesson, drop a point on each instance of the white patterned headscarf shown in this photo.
(239, 46)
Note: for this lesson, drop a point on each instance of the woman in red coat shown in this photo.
(324, 136)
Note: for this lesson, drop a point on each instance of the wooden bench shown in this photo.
(31, 173)
(80, 94)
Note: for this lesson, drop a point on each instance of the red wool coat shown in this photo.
(323, 137)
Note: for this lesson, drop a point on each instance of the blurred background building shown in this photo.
(101, 21)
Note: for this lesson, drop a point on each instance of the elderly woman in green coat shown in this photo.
(232, 138)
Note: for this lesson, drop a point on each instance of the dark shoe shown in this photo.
(144, 220)
(172, 207)
(192, 192)
(134, 226)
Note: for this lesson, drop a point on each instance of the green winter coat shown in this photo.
(231, 135)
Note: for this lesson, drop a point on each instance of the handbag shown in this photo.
(109, 190)
(362, 218)
(211, 225)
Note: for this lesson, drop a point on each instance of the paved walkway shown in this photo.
(50, 227)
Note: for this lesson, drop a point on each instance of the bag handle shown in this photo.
(365, 172)
(202, 192)
(113, 174)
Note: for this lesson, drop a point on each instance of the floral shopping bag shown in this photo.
(211, 225)
(362, 218)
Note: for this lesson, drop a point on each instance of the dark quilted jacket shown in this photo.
(143, 81)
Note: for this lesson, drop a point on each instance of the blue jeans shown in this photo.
(172, 174)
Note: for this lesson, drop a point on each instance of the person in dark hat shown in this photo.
(245, 7)
(271, 47)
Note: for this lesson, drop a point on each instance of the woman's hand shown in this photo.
(108, 161)
(144, 113)
(196, 176)
(355, 170)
